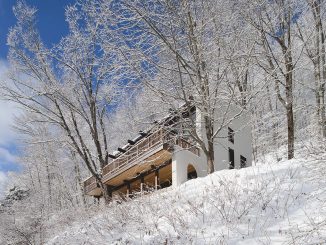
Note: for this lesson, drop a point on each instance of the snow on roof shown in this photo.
(125, 146)
(138, 137)
(115, 153)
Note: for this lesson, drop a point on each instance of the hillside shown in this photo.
(271, 203)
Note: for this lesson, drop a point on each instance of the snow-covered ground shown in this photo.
(271, 203)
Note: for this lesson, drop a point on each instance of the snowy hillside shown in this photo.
(273, 203)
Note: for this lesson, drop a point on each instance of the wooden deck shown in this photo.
(149, 182)
(91, 187)
(153, 152)
(153, 159)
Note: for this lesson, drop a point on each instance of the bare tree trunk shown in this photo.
(106, 192)
(290, 122)
(320, 70)
(203, 80)
(49, 185)
(210, 144)
(317, 56)
(79, 181)
(323, 113)
(289, 94)
(323, 68)
(282, 76)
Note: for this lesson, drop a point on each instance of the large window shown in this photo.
(231, 135)
(231, 158)
(243, 162)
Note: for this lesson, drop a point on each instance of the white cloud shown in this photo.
(7, 134)
(6, 156)
(7, 113)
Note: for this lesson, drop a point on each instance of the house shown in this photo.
(164, 155)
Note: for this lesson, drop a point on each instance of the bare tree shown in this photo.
(183, 52)
(70, 86)
(311, 32)
(274, 23)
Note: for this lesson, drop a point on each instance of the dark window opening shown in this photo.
(231, 158)
(243, 162)
(191, 172)
(231, 135)
(192, 175)
(166, 184)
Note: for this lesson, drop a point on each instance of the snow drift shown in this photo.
(272, 203)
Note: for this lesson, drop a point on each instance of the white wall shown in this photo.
(242, 146)
(180, 160)
(242, 139)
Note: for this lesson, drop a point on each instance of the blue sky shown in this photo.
(52, 26)
(51, 20)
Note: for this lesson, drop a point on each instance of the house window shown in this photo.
(231, 135)
(243, 162)
(231, 158)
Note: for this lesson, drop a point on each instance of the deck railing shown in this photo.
(136, 151)
(187, 145)
(90, 184)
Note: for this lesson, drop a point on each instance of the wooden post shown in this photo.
(142, 181)
(157, 180)
(96, 200)
(109, 190)
(128, 188)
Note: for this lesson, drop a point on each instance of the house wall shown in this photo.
(242, 137)
(180, 160)
(242, 146)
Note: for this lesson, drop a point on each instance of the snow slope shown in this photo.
(273, 203)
